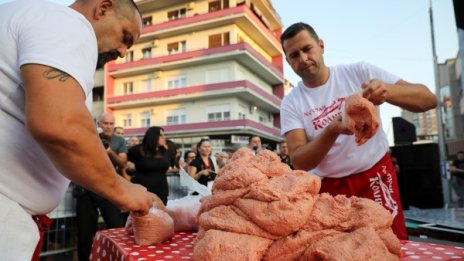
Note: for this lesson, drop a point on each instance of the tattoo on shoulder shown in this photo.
(53, 73)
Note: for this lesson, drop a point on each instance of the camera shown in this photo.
(212, 175)
(106, 140)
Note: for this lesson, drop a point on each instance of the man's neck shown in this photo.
(319, 81)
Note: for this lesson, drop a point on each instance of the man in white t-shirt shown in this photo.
(48, 56)
(316, 137)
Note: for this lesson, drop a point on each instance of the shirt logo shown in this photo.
(326, 114)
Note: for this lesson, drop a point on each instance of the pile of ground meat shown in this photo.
(262, 210)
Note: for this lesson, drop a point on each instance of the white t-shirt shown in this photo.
(45, 33)
(312, 109)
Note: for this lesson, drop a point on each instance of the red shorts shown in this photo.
(378, 183)
(43, 224)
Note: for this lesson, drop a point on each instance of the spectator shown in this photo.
(173, 150)
(254, 143)
(134, 140)
(284, 156)
(221, 159)
(152, 162)
(202, 167)
(119, 131)
(457, 177)
(130, 167)
(188, 157)
(88, 203)
(48, 136)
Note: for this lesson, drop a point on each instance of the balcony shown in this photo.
(242, 53)
(245, 90)
(232, 127)
(242, 16)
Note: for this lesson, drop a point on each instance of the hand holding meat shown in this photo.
(375, 91)
(361, 118)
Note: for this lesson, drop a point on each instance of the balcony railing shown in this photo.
(208, 16)
(232, 126)
(243, 90)
(159, 61)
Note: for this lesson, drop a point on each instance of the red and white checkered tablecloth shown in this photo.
(116, 245)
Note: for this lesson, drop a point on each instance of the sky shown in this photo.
(391, 34)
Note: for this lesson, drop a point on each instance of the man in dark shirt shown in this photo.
(457, 175)
(88, 203)
(284, 155)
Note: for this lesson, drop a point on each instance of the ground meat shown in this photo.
(360, 117)
(153, 228)
(278, 214)
(220, 245)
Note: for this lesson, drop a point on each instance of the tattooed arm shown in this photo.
(57, 118)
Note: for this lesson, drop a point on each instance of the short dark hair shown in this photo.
(294, 29)
(122, 4)
(251, 137)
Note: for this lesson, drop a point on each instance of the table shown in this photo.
(440, 223)
(115, 244)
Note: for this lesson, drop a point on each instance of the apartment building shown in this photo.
(201, 69)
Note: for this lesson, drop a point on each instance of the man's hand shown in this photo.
(338, 127)
(135, 198)
(375, 91)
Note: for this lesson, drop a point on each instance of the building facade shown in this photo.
(452, 109)
(201, 69)
(452, 104)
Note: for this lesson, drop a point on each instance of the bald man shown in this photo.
(49, 54)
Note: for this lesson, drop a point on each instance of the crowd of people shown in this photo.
(147, 163)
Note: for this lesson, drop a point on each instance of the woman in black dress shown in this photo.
(151, 163)
(202, 167)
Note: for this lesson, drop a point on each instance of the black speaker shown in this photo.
(404, 132)
(419, 178)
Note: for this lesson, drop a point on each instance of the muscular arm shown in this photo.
(306, 155)
(57, 118)
(410, 96)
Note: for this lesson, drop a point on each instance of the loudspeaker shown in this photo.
(419, 178)
(404, 132)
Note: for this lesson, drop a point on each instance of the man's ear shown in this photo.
(102, 8)
(321, 44)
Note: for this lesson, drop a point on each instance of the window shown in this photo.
(176, 14)
(177, 47)
(173, 48)
(175, 117)
(146, 85)
(218, 75)
(218, 112)
(214, 6)
(128, 88)
(176, 82)
(129, 56)
(262, 118)
(217, 40)
(147, 21)
(127, 120)
(241, 116)
(145, 119)
(146, 52)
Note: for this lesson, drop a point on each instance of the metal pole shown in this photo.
(441, 132)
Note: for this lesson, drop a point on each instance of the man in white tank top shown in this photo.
(312, 125)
